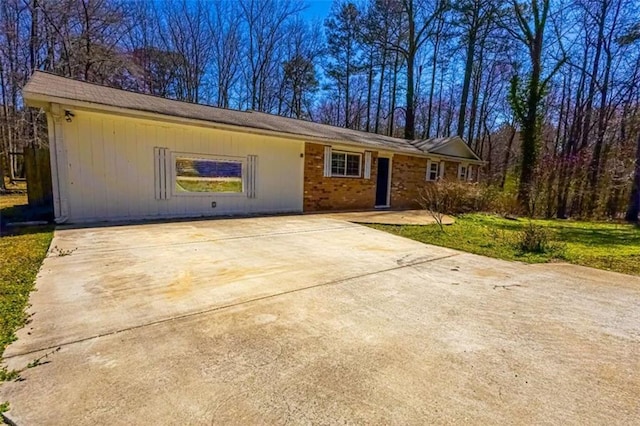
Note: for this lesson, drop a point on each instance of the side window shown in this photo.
(345, 164)
(433, 170)
(462, 172)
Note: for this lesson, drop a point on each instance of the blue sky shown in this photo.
(317, 9)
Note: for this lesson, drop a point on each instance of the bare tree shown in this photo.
(343, 47)
(475, 16)
(527, 99)
(227, 39)
(264, 25)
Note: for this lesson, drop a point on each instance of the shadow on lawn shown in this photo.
(597, 234)
(11, 213)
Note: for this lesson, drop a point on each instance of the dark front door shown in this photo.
(382, 183)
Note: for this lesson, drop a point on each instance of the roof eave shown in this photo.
(459, 139)
(38, 100)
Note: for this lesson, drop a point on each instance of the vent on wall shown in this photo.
(162, 173)
(252, 172)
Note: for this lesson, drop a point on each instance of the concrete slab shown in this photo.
(390, 217)
(313, 320)
(99, 280)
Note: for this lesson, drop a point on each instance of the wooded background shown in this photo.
(547, 92)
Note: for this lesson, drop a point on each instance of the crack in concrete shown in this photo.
(233, 305)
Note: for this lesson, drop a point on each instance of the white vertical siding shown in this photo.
(129, 151)
(111, 169)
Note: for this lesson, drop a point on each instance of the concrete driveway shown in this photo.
(308, 319)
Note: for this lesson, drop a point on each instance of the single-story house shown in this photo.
(121, 155)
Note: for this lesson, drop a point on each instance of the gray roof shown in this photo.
(44, 85)
(431, 144)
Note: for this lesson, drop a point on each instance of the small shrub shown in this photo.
(538, 240)
(533, 239)
(455, 197)
(506, 204)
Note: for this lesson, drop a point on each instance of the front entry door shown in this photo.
(382, 183)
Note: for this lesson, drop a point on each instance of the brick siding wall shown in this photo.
(408, 175)
(450, 170)
(335, 193)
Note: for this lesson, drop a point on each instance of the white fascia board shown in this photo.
(456, 159)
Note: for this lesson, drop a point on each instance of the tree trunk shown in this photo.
(507, 157)
(409, 126)
(380, 90)
(7, 137)
(568, 166)
(468, 68)
(530, 128)
(594, 76)
(392, 109)
(347, 106)
(634, 199)
(369, 87)
(432, 88)
(530, 132)
(438, 124)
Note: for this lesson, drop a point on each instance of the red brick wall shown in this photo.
(335, 193)
(450, 170)
(408, 174)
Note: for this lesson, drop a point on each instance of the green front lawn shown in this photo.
(611, 246)
(21, 254)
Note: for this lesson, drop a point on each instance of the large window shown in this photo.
(345, 164)
(195, 174)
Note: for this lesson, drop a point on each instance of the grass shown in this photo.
(610, 246)
(23, 251)
(19, 186)
(222, 185)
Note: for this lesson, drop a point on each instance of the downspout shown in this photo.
(55, 115)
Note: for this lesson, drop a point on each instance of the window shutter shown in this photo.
(441, 169)
(427, 177)
(327, 161)
(367, 164)
(469, 173)
(252, 167)
(162, 173)
(460, 166)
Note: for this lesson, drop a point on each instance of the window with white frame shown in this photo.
(433, 170)
(346, 164)
(462, 172)
(470, 173)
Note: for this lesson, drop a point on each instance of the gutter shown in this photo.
(58, 174)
